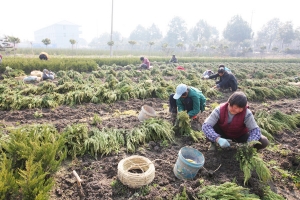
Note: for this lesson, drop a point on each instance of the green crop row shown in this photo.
(90, 64)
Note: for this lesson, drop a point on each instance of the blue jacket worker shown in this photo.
(187, 98)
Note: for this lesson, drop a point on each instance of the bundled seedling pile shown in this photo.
(183, 125)
(104, 141)
(226, 191)
(272, 123)
(76, 135)
(249, 160)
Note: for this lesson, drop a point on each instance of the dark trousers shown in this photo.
(187, 103)
(243, 139)
(43, 57)
(230, 84)
(144, 66)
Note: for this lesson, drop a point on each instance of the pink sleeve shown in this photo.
(147, 62)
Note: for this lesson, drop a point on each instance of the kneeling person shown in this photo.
(227, 80)
(233, 120)
(187, 98)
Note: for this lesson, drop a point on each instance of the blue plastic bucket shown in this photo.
(188, 163)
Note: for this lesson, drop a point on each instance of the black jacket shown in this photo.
(227, 80)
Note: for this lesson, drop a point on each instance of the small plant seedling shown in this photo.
(165, 143)
(145, 190)
(114, 183)
(214, 105)
(38, 114)
(201, 181)
(165, 106)
(155, 185)
(272, 162)
(96, 119)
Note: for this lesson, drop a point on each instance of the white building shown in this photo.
(60, 34)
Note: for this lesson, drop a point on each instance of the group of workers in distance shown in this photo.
(146, 63)
(231, 121)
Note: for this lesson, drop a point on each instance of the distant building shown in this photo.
(59, 34)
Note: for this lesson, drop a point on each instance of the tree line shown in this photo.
(237, 38)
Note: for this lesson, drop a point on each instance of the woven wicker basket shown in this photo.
(136, 180)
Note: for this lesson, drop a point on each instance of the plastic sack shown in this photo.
(30, 79)
(207, 73)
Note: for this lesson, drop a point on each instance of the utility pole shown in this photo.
(251, 19)
(111, 32)
(252, 31)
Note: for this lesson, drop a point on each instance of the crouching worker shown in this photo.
(43, 56)
(145, 63)
(48, 74)
(227, 80)
(233, 120)
(187, 98)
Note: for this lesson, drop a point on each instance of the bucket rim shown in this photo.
(150, 114)
(189, 163)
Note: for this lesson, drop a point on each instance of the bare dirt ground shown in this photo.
(100, 176)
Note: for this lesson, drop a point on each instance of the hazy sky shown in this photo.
(21, 18)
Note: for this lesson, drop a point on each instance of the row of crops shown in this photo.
(108, 84)
(30, 155)
(89, 64)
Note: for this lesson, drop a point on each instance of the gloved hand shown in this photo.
(223, 143)
(194, 117)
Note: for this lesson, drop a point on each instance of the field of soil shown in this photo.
(100, 176)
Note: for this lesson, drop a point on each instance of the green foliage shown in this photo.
(46, 41)
(226, 191)
(250, 160)
(197, 135)
(42, 141)
(290, 120)
(275, 122)
(104, 142)
(96, 119)
(135, 137)
(145, 190)
(76, 135)
(10, 72)
(183, 122)
(267, 134)
(270, 195)
(182, 196)
(183, 125)
(35, 152)
(214, 105)
(33, 182)
(8, 185)
(38, 114)
(158, 129)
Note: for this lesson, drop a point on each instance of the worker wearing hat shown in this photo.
(43, 56)
(187, 98)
